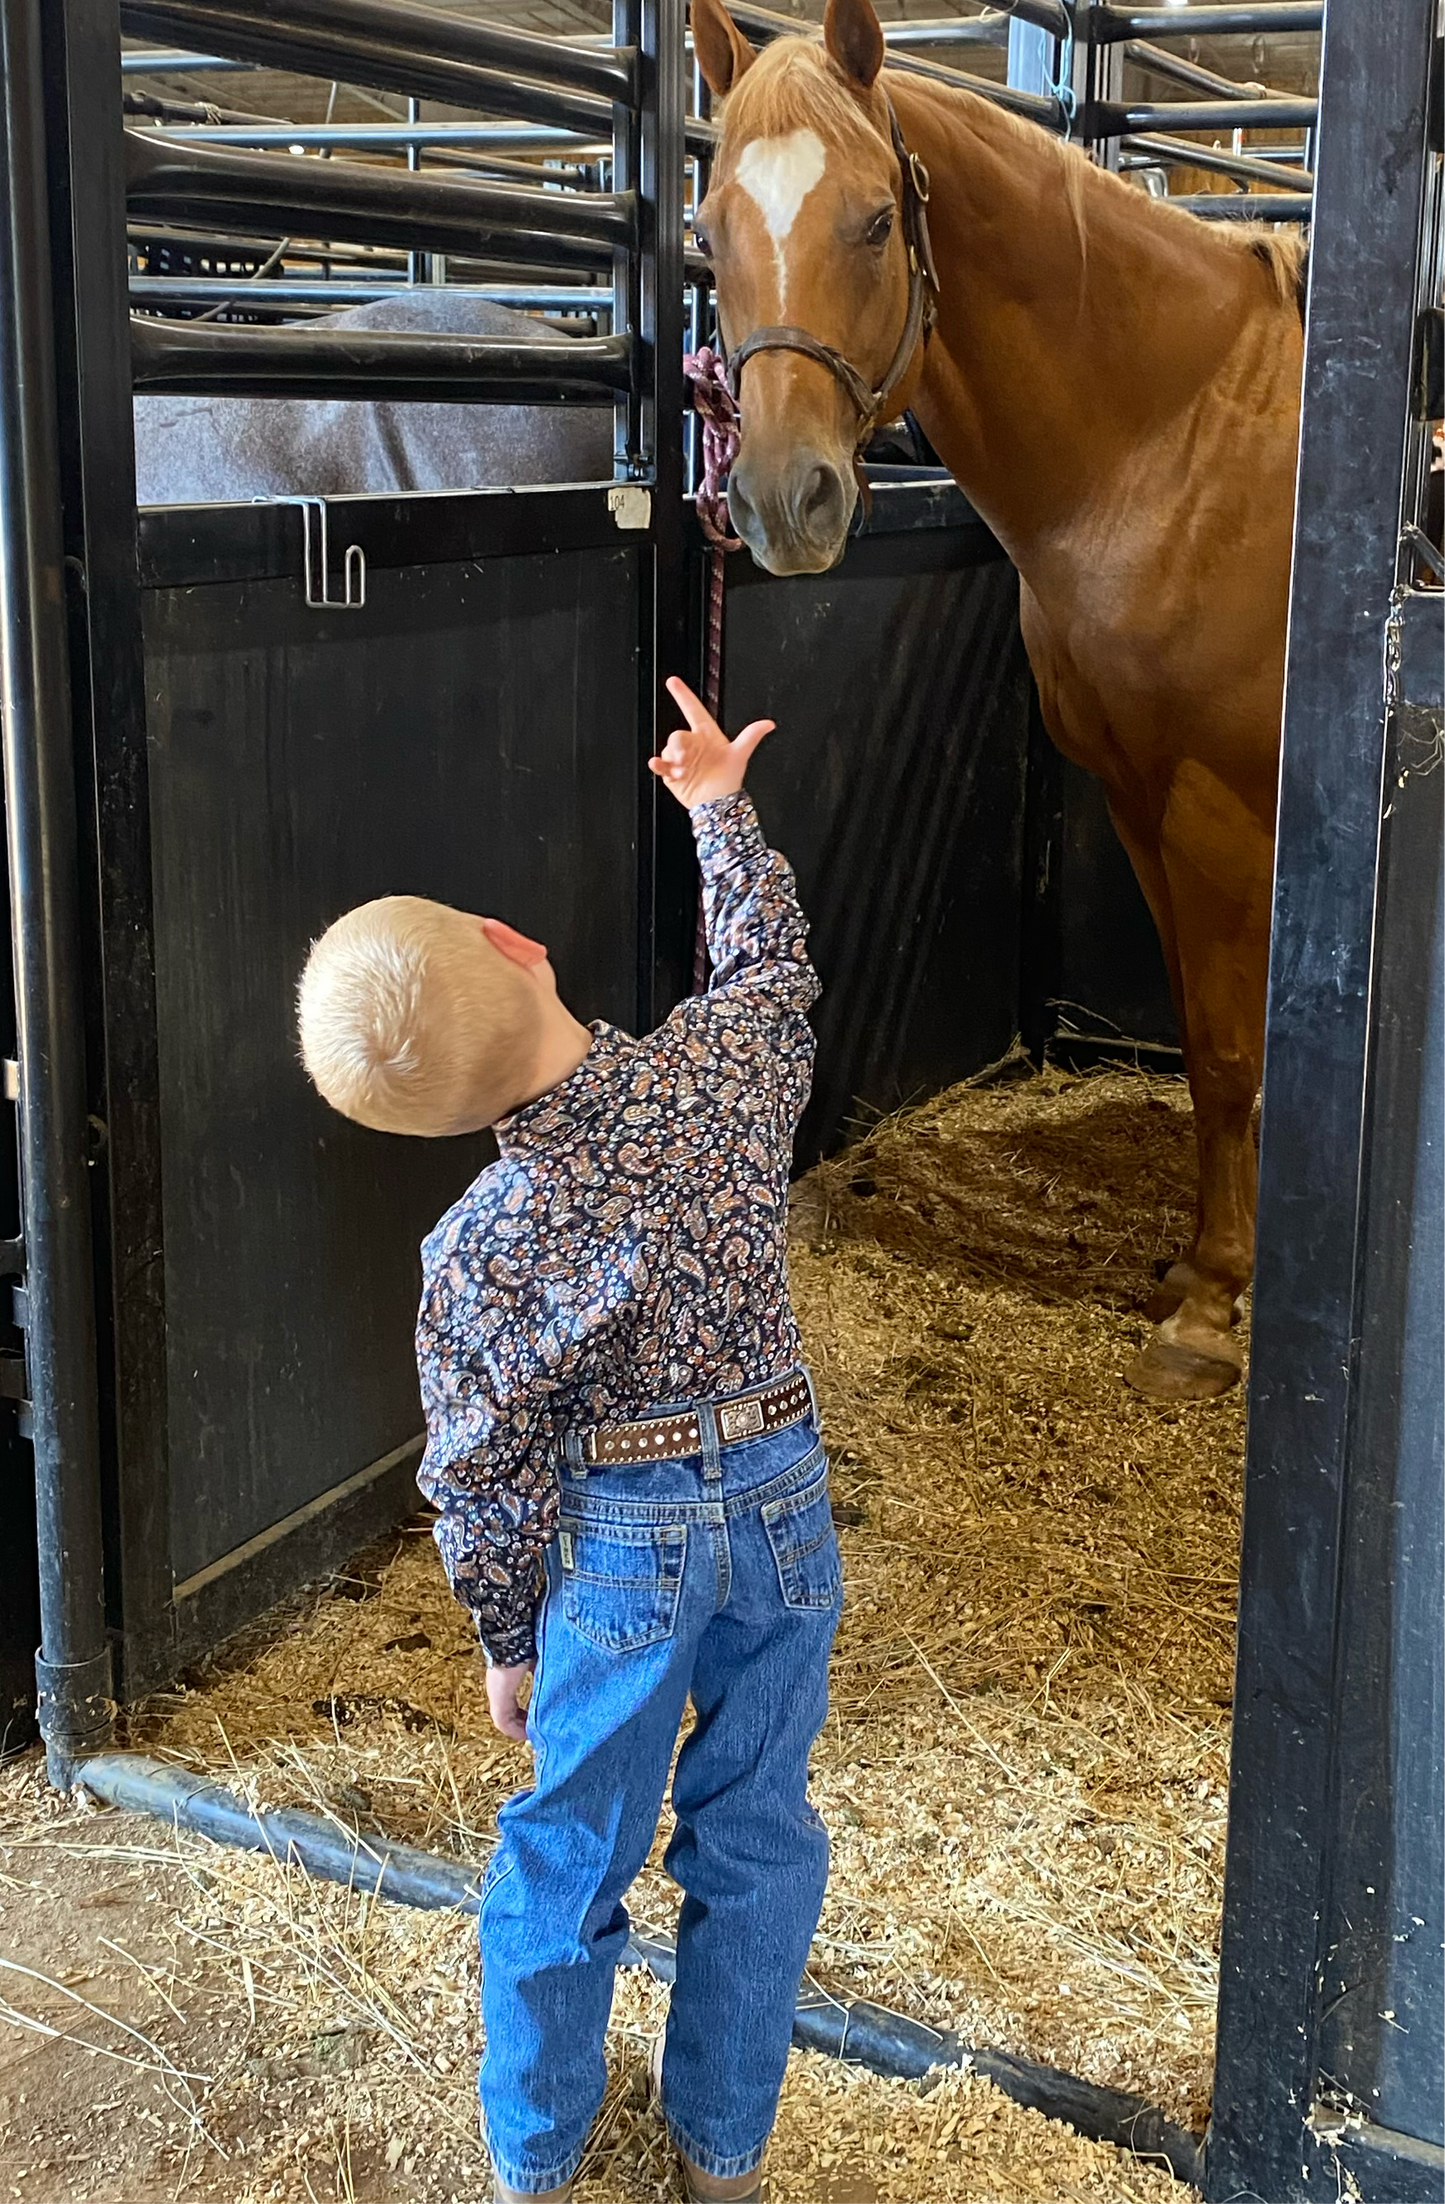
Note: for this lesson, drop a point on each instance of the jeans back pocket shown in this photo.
(621, 1581)
(805, 1546)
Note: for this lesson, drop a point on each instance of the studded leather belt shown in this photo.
(674, 1438)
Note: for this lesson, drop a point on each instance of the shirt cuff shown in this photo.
(727, 832)
(512, 1648)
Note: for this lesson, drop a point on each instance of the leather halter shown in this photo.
(869, 403)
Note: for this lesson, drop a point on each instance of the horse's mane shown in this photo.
(793, 86)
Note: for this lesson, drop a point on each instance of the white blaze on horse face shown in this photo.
(777, 174)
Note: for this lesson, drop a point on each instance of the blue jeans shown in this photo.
(718, 1578)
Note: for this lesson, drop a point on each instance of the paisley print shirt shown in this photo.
(628, 1249)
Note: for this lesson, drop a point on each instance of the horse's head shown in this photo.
(804, 222)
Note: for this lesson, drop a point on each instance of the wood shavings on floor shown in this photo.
(1023, 1773)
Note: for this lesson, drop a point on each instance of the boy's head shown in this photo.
(416, 1018)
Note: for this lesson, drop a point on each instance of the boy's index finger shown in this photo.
(693, 710)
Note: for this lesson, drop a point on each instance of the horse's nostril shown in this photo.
(817, 502)
(740, 505)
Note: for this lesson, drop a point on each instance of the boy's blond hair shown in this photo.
(412, 1021)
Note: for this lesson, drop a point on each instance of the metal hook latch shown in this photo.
(316, 560)
(316, 553)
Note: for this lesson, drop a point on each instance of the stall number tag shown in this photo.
(630, 505)
(564, 1542)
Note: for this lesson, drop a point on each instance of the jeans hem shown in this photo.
(708, 2161)
(535, 2180)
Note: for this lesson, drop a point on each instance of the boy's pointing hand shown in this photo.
(698, 763)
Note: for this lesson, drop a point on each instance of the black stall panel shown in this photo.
(469, 734)
(895, 784)
(1109, 985)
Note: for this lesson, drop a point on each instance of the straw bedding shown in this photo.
(1023, 1772)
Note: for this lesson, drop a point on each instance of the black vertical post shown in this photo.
(85, 154)
(629, 455)
(73, 1666)
(1364, 275)
(669, 875)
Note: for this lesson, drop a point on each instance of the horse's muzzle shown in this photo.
(793, 517)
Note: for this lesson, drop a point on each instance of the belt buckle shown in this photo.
(742, 1419)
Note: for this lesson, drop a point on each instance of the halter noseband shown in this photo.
(867, 402)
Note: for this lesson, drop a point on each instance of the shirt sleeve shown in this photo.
(757, 935)
(490, 1363)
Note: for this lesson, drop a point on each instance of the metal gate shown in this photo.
(252, 753)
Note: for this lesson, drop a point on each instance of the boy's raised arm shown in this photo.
(756, 931)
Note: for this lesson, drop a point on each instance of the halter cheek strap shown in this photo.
(869, 403)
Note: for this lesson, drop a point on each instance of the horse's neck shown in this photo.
(1069, 317)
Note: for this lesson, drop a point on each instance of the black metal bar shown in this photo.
(858, 2032)
(158, 108)
(262, 133)
(1363, 285)
(1246, 206)
(271, 195)
(157, 61)
(394, 59)
(73, 1667)
(1162, 63)
(948, 30)
(1428, 374)
(1037, 108)
(608, 72)
(1244, 21)
(1179, 153)
(1051, 16)
(377, 363)
(541, 298)
(665, 900)
(1116, 118)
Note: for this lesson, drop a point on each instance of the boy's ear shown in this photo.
(723, 54)
(519, 948)
(853, 39)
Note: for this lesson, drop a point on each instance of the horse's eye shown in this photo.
(880, 228)
(702, 241)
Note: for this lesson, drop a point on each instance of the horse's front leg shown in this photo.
(1219, 860)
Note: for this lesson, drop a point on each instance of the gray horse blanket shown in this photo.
(195, 450)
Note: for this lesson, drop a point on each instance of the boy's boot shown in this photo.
(501, 2194)
(704, 2188)
(707, 2188)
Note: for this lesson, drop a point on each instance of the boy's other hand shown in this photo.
(698, 763)
(504, 1699)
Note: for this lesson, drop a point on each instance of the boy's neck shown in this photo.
(565, 1044)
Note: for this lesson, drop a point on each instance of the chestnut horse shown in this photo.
(1115, 384)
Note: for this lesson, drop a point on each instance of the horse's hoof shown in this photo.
(1167, 1370)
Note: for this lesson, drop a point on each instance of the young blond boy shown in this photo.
(622, 1445)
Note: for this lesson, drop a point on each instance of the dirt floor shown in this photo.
(1023, 1773)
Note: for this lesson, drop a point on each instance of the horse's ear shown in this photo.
(852, 37)
(722, 51)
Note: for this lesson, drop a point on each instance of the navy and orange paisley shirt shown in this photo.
(628, 1249)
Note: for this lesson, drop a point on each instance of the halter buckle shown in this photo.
(922, 181)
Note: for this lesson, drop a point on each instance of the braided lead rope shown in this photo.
(717, 409)
(715, 406)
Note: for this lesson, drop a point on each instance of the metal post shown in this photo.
(73, 1665)
(668, 879)
(1274, 2075)
(628, 454)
